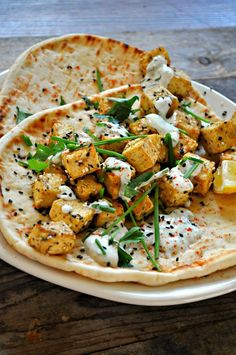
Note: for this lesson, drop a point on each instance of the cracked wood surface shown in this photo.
(37, 317)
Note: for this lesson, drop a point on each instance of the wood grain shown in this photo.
(37, 317)
(48, 18)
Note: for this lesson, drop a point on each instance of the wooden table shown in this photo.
(37, 317)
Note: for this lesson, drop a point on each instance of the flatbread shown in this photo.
(65, 66)
(215, 250)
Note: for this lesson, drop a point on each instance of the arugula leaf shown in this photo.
(122, 107)
(90, 104)
(124, 258)
(21, 115)
(37, 165)
(99, 81)
(26, 140)
(130, 190)
(62, 101)
(134, 235)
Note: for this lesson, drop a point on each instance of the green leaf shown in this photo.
(124, 258)
(103, 208)
(130, 190)
(62, 101)
(21, 115)
(122, 107)
(37, 165)
(27, 140)
(134, 235)
(99, 81)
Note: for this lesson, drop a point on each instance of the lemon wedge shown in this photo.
(225, 178)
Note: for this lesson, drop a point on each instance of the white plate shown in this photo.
(219, 283)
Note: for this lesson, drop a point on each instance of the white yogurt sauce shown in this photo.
(163, 104)
(66, 193)
(154, 177)
(125, 173)
(111, 129)
(158, 72)
(179, 182)
(187, 165)
(163, 127)
(111, 253)
(66, 209)
(94, 204)
(177, 232)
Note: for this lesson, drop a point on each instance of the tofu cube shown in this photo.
(113, 184)
(141, 127)
(104, 218)
(87, 187)
(52, 238)
(143, 153)
(175, 189)
(185, 145)
(46, 189)
(147, 57)
(143, 209)
(220, 136)
(81, 162)
(187, 123)
(180, 85)
(162, 151)
(203, 180)
(150, 98)
(74, 213)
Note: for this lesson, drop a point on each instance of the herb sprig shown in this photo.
(122, 107)
(191, 113)
(21, 115)
(168, 142)
(99, 81)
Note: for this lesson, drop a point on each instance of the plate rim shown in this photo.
(108, 290)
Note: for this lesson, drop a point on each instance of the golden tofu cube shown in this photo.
(115, 147)
(150, 97)
(148, 56)
(143, 153)
(104, 218)
(180, 85)
(187, 123)
(228, 155)
(162, 151)
(185, 145)
(74, 213)
(141, 127)
(113, 184)
(46, 189)
(81, 162)
(52, 238)
(174, 189)
(220, 136)
(87, 187)
(203, 180)
(143, 209)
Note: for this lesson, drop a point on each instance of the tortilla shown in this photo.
(215, 250)
(65, 67)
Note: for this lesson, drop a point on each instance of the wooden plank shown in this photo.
(68, 16)
(37, 317)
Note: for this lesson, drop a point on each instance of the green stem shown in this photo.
(131, 215)
(116, 140)
(154, 263)
(194, 115)
(130, 209)
(156, 223)
(110, 153)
